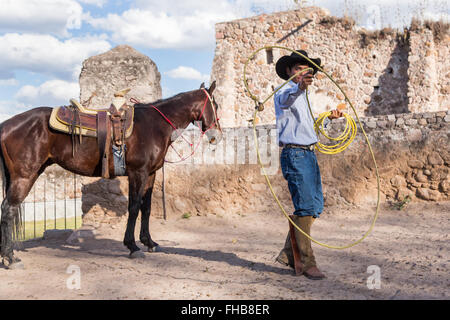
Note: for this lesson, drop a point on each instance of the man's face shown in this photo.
(307, 74)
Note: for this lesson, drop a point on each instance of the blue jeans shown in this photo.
(301, 170)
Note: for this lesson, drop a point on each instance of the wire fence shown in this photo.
(54, 202)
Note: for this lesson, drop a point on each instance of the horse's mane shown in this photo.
(163, 101)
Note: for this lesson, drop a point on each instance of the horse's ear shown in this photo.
(212, 87)
(202, 86)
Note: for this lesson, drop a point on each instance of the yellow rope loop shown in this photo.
(344, 140)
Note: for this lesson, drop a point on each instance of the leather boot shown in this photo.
(310, 269)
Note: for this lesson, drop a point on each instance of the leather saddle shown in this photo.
(110, 126)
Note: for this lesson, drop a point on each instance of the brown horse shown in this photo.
(28, 145)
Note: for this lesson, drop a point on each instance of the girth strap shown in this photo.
(104, 140)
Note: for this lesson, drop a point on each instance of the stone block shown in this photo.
(420, 177)
(80, 235)
(411, 122)
(416, 164)
(391, 117)
(423, 122)
(54, 234)
(382, 124)
(435, 159)
(414, 135)
(371, 125)
(427, 194)
(398, 181)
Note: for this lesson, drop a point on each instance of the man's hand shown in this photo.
(305, 80)
(335, 114)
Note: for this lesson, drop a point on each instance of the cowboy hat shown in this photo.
(289, 61)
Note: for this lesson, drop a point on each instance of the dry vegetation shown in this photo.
(439, 28)
(347, 22)
(368, 37)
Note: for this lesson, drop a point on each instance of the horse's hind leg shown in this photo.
(16, 193)
(9, 214)
(144, 236)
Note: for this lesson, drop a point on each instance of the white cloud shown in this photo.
(162, 24)
(185, 24)
(159, 30)
(49, 93)
(9, 82)
(40, 16)
(9, 108)
(46, 54)
(187, 73)
(239, 8)
(98, 3)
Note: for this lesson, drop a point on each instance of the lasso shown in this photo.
(343, 141)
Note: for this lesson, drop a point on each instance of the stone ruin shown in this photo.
(398, 82)
(120, 68)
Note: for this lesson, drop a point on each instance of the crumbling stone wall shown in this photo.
(382, 72)
(120, 68)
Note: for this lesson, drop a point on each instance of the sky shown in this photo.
(43, 43)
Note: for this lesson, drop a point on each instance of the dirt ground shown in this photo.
(232, 257)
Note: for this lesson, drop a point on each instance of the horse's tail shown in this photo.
(3, 170)
(6, 180)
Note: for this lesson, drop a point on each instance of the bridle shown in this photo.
(211, 103)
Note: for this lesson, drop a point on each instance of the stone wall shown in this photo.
(411, 151)
(382, 72)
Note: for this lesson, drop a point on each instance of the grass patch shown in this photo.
(400, 205)
(32, 230)
(187, 215)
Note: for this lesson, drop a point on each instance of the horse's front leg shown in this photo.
(144, 236)
(137, 182)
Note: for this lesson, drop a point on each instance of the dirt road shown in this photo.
(232, 257)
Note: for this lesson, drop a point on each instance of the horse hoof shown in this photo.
(16, 266)
(155, 249)
(137, 255)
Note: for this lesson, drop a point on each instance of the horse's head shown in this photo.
(208, 115)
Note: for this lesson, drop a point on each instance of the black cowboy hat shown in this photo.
(289, 61)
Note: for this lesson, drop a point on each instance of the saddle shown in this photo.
(110, 126)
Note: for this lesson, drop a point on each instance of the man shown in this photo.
(296, 135)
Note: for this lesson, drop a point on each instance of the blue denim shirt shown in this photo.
(294, 121)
